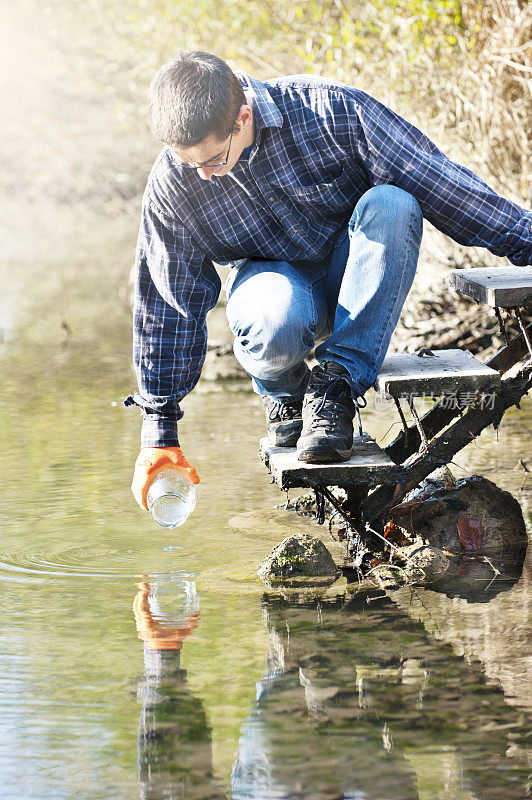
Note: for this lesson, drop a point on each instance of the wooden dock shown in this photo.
(443, 372)
(433, 440)
(368, 464)
(502, 287)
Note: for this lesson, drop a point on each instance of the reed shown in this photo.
(462, 71)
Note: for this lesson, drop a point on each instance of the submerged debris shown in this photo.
(418, 564)
(441, 534)
(305, 504)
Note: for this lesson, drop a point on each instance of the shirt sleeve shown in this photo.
(454, 199)
(176, 285)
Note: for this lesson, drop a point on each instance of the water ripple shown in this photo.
(70, 563)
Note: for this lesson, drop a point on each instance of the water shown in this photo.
(412, 695)
(254, 695)
(171, 498)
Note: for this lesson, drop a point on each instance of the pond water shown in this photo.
(253, 695)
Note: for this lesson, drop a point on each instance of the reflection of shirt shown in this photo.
(319, 146)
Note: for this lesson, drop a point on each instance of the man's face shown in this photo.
(212, 150)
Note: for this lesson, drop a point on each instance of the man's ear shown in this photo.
(245, 115)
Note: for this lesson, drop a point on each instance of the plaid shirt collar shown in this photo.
(266, 113)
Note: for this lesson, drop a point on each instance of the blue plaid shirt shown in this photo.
(319, 146)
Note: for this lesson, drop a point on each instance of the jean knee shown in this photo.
(271, 339)
(270, 349)
(388, 203)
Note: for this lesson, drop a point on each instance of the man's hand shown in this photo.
(151, 461)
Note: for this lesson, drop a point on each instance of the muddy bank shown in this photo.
(457, 538)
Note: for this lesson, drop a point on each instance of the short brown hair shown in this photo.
(195, 94)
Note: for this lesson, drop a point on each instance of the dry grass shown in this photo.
(462, 71)
(493, 104)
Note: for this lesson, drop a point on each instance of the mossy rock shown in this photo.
(299, 560)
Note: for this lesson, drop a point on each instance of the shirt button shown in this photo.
(271, 198)
(295, 229)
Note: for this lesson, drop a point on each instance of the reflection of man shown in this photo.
(315, 192)
(174, 739)
(358, 702)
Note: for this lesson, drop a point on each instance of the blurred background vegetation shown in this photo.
(461, 71)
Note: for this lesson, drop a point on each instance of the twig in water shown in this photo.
(331, 520)
(413, 592)
(460, 467)
(393, 425)
(378, 597)
(495, 570)
(369, 528)
(524, 465)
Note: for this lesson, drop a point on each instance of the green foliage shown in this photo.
(461, 70)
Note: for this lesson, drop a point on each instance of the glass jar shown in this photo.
(171, 498)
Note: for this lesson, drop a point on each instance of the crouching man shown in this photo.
(315, 193)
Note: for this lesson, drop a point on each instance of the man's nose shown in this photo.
(206, 173)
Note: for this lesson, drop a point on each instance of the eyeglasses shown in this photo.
(206, 164)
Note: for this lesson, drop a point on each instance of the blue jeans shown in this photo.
(351, 302)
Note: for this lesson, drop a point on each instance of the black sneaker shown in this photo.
(283, 421)
(328, 411)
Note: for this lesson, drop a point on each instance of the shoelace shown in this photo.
(283, 411)
(335, 382)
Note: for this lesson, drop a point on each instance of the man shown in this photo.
(315, 193)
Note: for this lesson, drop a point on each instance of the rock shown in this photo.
(389, 576)
(425, 564)
(435, 513)
(299, 559)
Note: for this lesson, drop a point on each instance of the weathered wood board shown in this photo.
(368, 464)
(446, 372)
(500, 286)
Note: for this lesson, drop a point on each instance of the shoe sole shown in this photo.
(321, 456)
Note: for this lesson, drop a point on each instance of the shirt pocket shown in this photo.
(335, 196)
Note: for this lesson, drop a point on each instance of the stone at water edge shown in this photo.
(298, 558)
(434, 512)
(425, 564)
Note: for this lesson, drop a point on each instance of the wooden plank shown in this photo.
(446, 372)
(440, 416)
(368, 464)
(500, 286)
